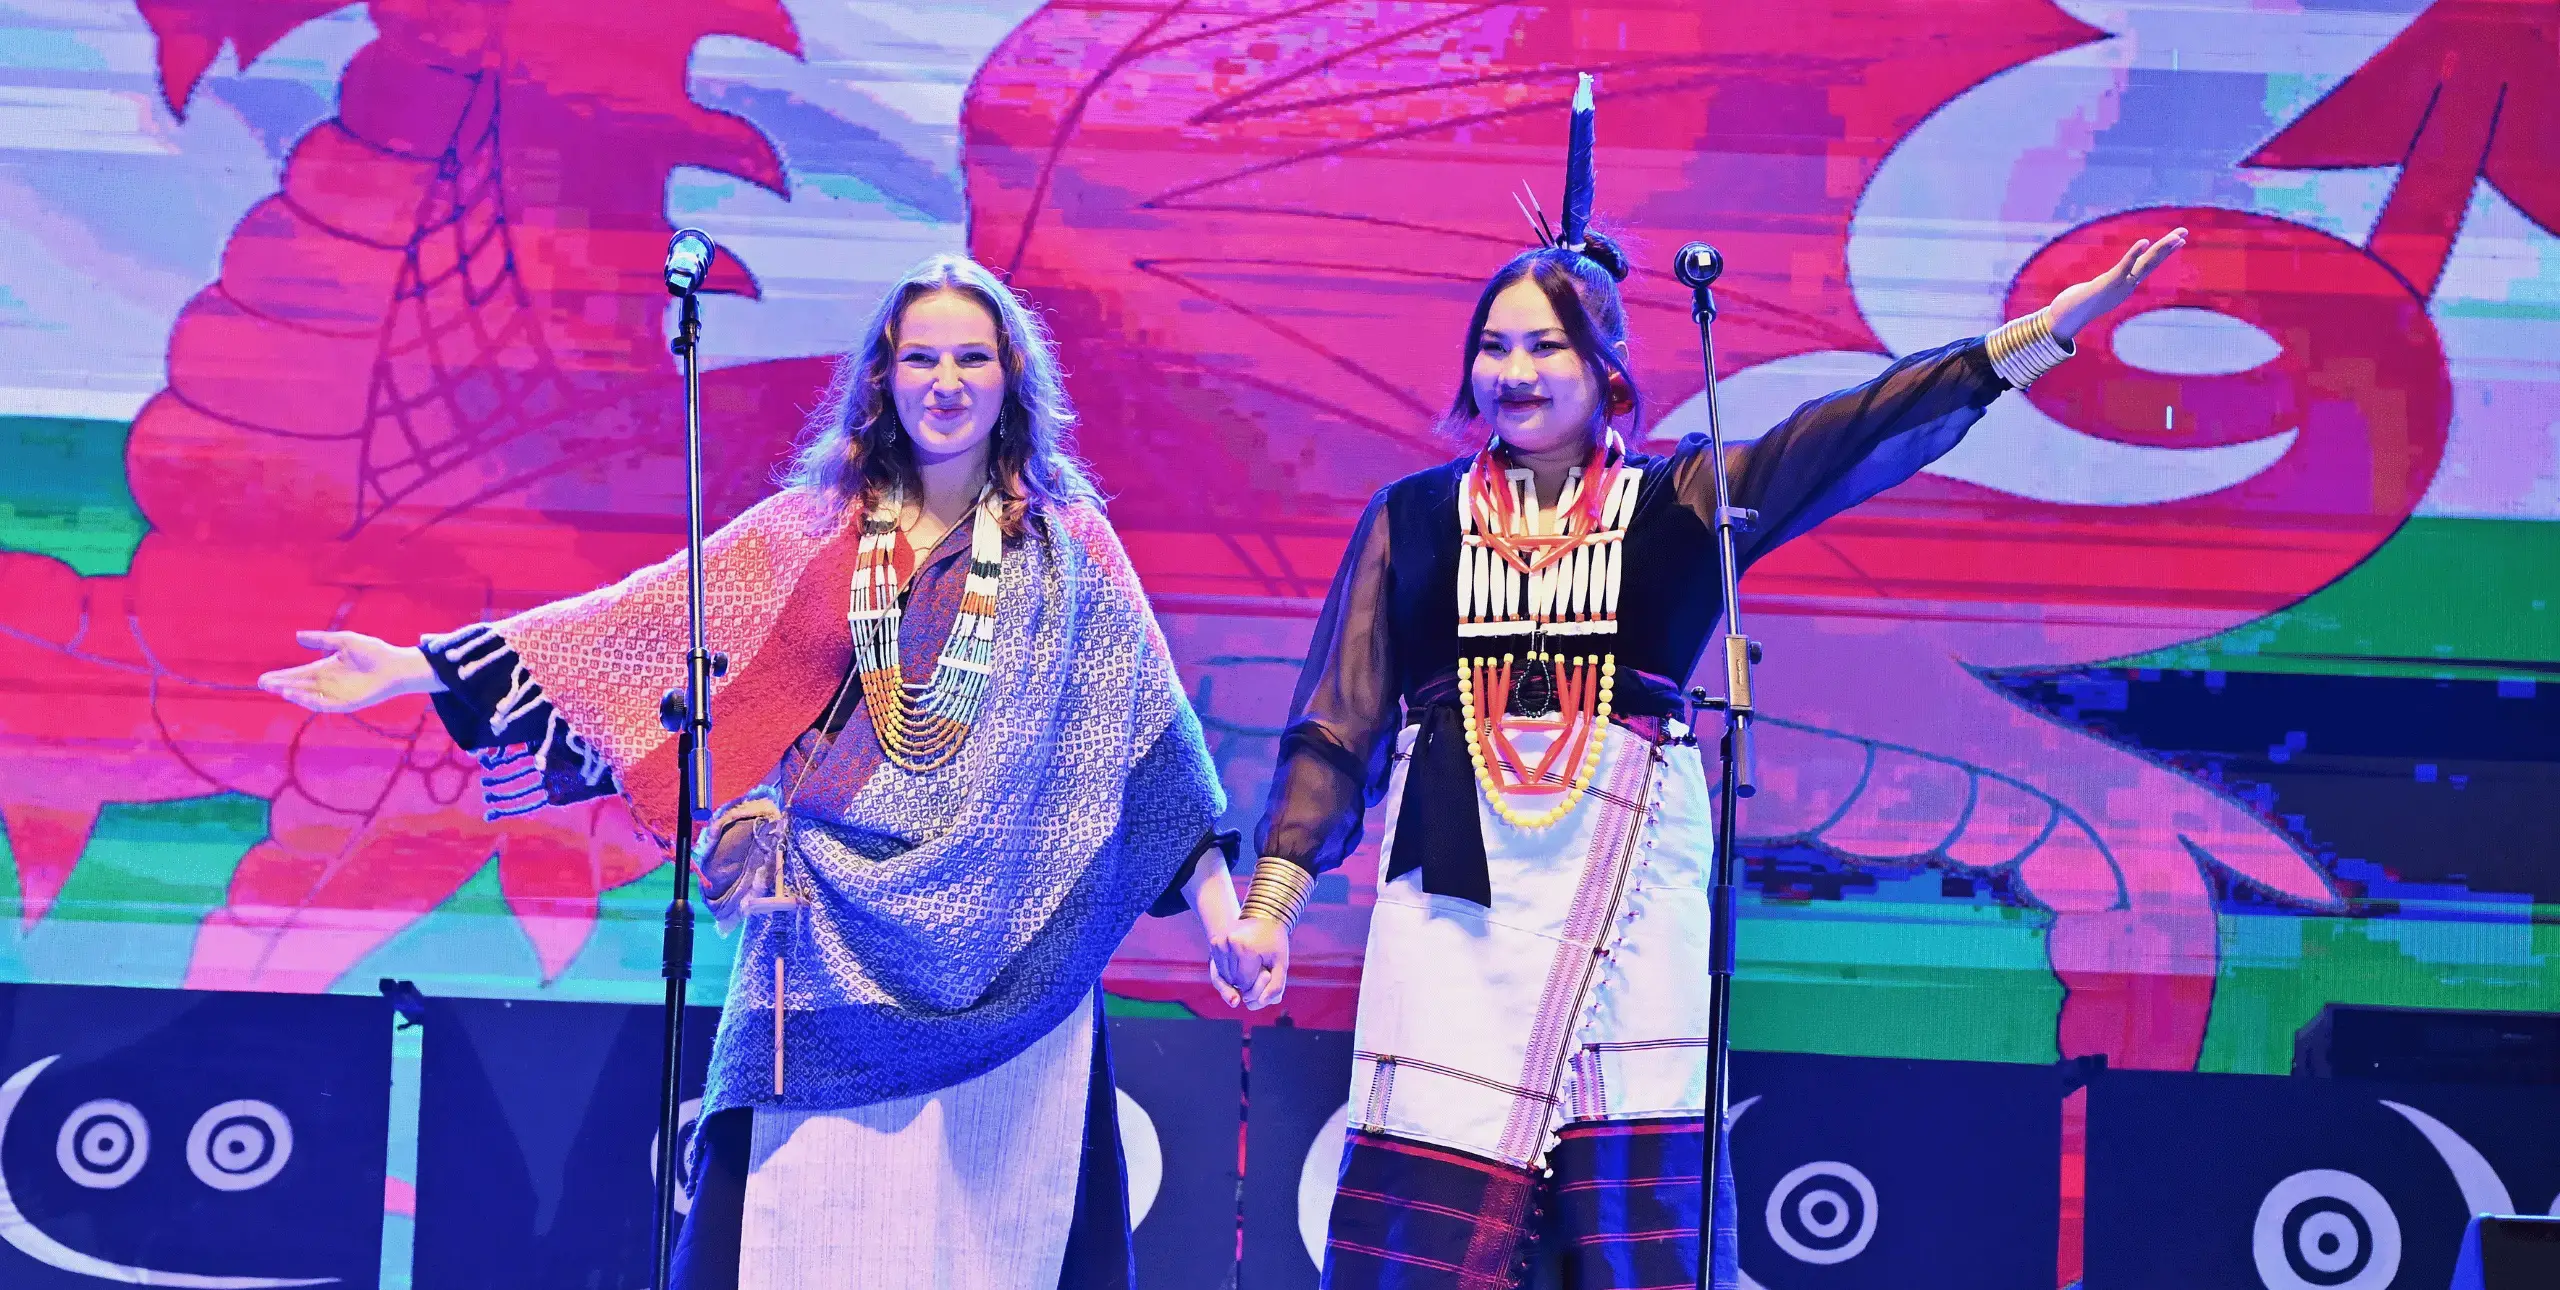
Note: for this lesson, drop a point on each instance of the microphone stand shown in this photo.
(686, 712)
(1698, 267)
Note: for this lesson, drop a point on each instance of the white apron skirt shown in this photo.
(970, 1187)
(1580, 994)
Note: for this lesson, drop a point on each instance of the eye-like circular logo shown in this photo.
(687, 1111)
(1317, 1177)
(239, 1145)
(103, 1144)
(1143, 1151)
(1824, 1212)
(2326, 1230)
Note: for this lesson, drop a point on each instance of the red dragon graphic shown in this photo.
(430, 382)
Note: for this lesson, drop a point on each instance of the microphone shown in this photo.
(688, 261)
(1698, 265)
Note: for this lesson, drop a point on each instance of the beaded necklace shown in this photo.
(922, 724)
(1527, 571)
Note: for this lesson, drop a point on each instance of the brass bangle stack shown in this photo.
(2023, 349)
(1279, 892)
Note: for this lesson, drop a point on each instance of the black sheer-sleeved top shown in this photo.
(1385, 650)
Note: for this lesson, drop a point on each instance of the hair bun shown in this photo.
(1597, 248)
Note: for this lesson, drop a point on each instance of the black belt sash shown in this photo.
(1437, 828)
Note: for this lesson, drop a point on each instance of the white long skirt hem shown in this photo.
(970, 1187)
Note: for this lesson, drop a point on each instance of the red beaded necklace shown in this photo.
(1527, 571)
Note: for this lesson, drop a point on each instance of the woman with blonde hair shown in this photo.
(963, 766)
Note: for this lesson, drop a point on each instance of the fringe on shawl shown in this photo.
(595, 665)
(506, 767)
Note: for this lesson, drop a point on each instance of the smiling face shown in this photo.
(947, 376)
(1530, 384)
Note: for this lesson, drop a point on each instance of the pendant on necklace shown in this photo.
(1533, 691)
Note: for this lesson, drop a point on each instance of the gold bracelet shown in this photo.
(2023, 349)
(1279, 892)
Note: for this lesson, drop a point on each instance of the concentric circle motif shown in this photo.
(2322, 1229)
(239, 1145)
(103, 1144)
(687, 1111)
(1823, 1212)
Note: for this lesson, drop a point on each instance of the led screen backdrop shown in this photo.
(2206, 683)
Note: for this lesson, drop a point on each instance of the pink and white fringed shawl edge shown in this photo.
(776, 582)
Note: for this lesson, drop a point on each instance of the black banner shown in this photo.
(1858, 1171)
(1181, 1090)
(1293, 1152)
(536, 1130)
(2304, 1184)
(180, 1137)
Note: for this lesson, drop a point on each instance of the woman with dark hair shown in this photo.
(1500, 660)
(958, 766)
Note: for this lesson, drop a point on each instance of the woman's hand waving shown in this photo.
(2083, 303)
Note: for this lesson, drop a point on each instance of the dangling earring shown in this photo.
(1622, 397)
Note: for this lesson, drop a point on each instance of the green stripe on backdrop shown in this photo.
(2443, 599)
(2469, 599)
(1892, 974)
(1899, 973)
(1888, 978)
(2278, 971)
(63, 494)
(473, 945)
(128, 913)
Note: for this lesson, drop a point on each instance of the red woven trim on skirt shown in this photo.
(1620, 1212)
(1412, 1217)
